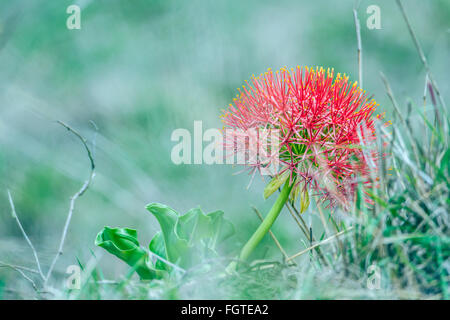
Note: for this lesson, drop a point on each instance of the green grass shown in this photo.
(140, 72)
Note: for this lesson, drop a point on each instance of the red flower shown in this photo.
(324, 124)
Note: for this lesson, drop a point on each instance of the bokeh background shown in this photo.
(140, 69)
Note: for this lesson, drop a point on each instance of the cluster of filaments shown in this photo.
(324, 122)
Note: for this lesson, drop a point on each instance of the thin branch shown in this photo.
(425, 94)
(421, 54)
(319, 244)
(322, 218)
(108, 282)
(8, 265)
(14, 214)
(391, 97)
(307, 234)
(324, 222)
(19, 270)
(400, 115)
(425, 89)
(83, 140)
(359, 49)
(73, 199)
(290, 208)
(277, 243)
(94, 139)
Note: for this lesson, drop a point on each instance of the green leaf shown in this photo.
(196, 226)
(445, 165)
(158, 247)
(123, 243)
(176, 248)
(294, 193)
(193, 226)
(275, 184)
(186, 239)
(222, 228)
(304, 200)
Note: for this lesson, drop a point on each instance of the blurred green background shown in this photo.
(140, 69)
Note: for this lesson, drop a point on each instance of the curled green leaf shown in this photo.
(123, 243)
(176, 248)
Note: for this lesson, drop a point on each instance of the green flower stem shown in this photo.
(264, 227)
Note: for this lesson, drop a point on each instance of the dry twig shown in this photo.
(14, 214)
(73, 199)
(319, 244)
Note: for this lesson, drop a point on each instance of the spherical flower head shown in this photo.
(324, 123)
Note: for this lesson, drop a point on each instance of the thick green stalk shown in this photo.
(267, 222)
